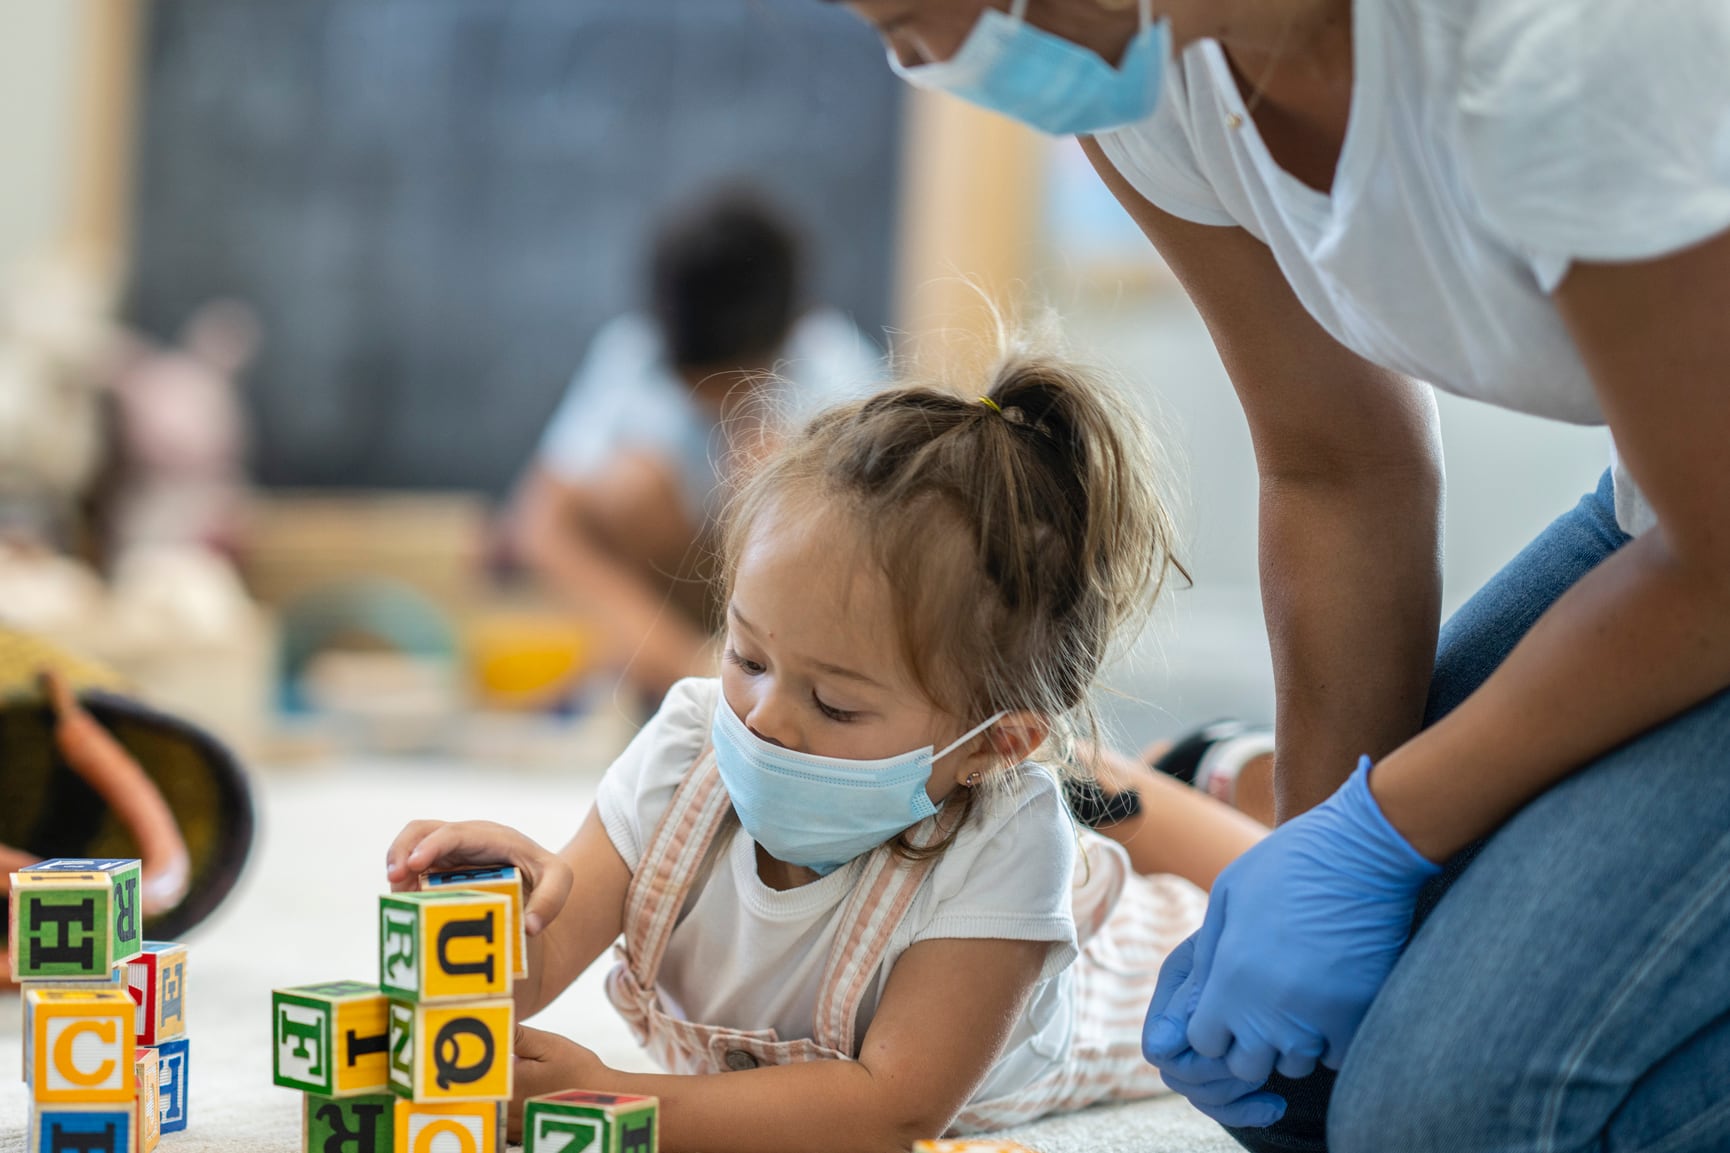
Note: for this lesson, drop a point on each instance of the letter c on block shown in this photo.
(106, 1031)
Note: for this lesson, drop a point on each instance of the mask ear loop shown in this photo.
(1018, 11)
(1146, 14)
(969, 735)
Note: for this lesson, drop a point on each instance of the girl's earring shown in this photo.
(972, 780)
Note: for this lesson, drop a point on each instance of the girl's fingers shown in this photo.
(551, 889)
(412, 834)
(428, 845)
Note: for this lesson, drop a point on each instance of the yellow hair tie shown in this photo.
(991, 404)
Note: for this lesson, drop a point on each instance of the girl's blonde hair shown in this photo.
(1020, 531)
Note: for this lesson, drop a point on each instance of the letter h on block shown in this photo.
(73, 918)
(599, 1122)
(444, 945)
(80, 1049)
(174, 1082)
(329, 1039)
(67, 1129)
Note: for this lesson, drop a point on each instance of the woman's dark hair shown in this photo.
(724, 282)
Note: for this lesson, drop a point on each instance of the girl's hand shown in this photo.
(426, 846)
(549, 1063)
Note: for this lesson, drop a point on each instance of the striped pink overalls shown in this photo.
(1126, 924)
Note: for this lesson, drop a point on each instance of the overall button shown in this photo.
(738, 1060)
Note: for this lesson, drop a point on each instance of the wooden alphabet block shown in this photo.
(507, 882)
(451, 1052)
(156, 978)
(348, 1124)
(70, 1129)
(147, 1123)
(591, 1122)
(173, 1083)
(444, 945)
(74, 918)
(330, 1039)
(80, 1049)
(443, 1127)
(116, 978)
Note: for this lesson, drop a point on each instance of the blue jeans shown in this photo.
(1567, 986)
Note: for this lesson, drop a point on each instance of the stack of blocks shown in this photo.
(105, 1050)
(421, 1061)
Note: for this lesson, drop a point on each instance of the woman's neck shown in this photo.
(1294, 70)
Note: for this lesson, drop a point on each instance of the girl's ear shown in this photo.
(1010, 741)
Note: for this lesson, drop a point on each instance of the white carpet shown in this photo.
(305, 913)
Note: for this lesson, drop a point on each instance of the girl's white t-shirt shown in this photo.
(746, 956)
(1491, 144)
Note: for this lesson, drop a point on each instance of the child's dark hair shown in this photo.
(724, 281)
(1019, 530)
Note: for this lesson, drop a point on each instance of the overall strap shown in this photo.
(879, 902)
(672, 862)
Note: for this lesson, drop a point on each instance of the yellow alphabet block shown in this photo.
(444, 945)
(507, 882)
(443, 1127)
(80, 1049)
(451, 1052)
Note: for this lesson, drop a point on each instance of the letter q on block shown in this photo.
(444, 945)
(81, 1046)
(457, 1052)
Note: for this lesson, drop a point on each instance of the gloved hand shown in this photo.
(1205, 1081)
(1300, 934)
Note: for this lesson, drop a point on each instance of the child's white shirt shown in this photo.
(747, 956)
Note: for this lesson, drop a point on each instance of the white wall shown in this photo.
(1206, 655)
(38, 46)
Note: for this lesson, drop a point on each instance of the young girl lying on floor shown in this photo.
(876, 945)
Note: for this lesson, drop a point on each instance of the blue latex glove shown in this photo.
(1205, 1081)
(1300, 934)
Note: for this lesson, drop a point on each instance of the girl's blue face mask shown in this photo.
(1030, 75)
(821, 812)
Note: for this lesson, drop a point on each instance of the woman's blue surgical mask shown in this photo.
(1030, 75)
(821, 812)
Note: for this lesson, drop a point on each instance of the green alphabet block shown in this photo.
(74, 918)
(348, 1124)
(577, 1121)
(329, 1039)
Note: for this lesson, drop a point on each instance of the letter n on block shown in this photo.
(444, 945)
(468, 1127)
(81, 1048)
(451, 1052)
(576, 1121)
(64, 1130)
(330, 1039)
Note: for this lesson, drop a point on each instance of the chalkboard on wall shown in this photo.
(434, 204)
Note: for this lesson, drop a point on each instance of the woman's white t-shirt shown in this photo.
(1491, 144)
(750, 957)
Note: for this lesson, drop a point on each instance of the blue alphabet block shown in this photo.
(66, 1129)
(173, 1079)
